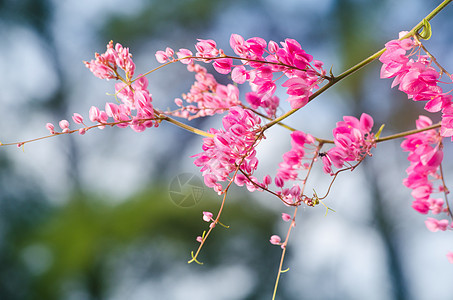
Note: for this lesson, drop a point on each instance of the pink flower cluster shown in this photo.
(230, 148)
(292, 164)
(264, 59)
(134, 94)
(293, 160)
(288, 57)
(353, 141)
(206, 97)
(435, 225)
(135, 97)
(268, 103)
(425, 156)
(417, 78)
(105, 66)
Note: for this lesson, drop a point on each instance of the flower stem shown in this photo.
(184, 126)
(406, 133)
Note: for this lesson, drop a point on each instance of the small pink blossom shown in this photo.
(199, 239)
(267, 87)
(51, 128)
(256, 46)
(275, 240)
(169, 52)
(298, 101)
(436, 205)
(223, 65)
(207, 216)
(185, 56)
(272, 47)
(239, 74)
(238, 45)
(206, 48)
(64, 125)
(161, 56)
(446, 129)
(77, 118)
(421, 206)
(94, 114)
(286, 217)
(436, 225)
(267, 180)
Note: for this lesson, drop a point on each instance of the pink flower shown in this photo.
(421, 206)
(438, 102)
(267, 87)
(184, 55)
(51, 128)
(256, 46)
(267, 180)
(239, 74)
(446, 129)
(286, 217)
(436, 205)
(298, 101)
(415, 77)
(223, 65)
(253, 99)
(123, 59)
(105, 65)
(169, 52)
(206, 97)
(425, 156)
(237, 43)
(94, 114)
(207, 48)
(161, 57)
(230, 147)
(436, 225)
(292, 160)
(296, 86)
(353, 141)
(207, 216)
(275, 240)
(293, 54)
(64, 125)
(77, 118)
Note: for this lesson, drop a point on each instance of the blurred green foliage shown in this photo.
(78, 241)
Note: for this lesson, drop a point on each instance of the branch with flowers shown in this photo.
(229, 154)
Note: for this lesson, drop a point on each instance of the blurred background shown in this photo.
(90, 217)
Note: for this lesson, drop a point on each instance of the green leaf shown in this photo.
(378, 134)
